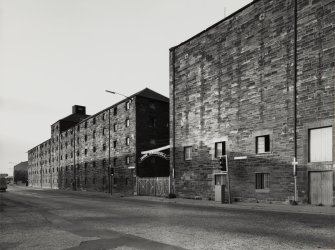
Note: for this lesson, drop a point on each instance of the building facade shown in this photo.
(101, 152)
(257, 86)
(21, 172)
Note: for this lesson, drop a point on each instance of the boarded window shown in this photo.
(320, 144)
(188, 153)
(262, 181)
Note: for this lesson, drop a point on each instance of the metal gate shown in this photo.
(321, 187)
(153, 186)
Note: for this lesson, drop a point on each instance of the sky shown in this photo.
(58, 53)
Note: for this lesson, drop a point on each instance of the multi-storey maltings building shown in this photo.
(257, 86)
(101, 152)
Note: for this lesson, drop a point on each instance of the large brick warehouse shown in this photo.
(257, 86)
(101, 152)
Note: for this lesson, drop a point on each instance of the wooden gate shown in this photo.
(321, 187)
(153, 186)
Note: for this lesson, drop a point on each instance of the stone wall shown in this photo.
(235, 81)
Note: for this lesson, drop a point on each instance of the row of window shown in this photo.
(46, 171)
(319, 146)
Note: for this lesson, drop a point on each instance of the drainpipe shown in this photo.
(174, 113)
(109, 153)
(74, 159)
(295, 163)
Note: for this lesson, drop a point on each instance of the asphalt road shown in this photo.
(39, 219)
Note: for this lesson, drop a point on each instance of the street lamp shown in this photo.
(116, 93)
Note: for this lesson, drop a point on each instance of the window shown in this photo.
(127, 123)
(114, 144)
(85, 165)
(262, 144)
(65, 156)
(104, 147)
(94, 149)
(103, 163)
(127, 105)
(220, 149)
(153, 122)
(127, 141)
(85, 137)
(77, 152)
(93, 134)
(262, 181)
(78, 128)
(115, 111)
(114, 127)
(103, 131)
(78, 140)
(114, 162)
(85, 151)
(85, 124)
(187, 153)
(103, 117)
(127, 160)
(93, 120)
(320, 144)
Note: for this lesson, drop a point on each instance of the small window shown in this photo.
(153, 122)
(104, 147)
(187, 153)
(85, 151)
(114, 162)
(114, 127)
(85, 124)
(220, 149)
(77, 152)
(94, 149)
(65, 156)
(114, 144)
(127, 105)
(93, 134)
(93, 120)
(320, 144)
(127, 160)
(103, 163)
(78, 128)
(262, 144)
(262, 181)
(127, 141)
(103, 117)
(85, 137)
(115, 111)
(85, 165)
(78, 140)
(127, 123)
(103, 131)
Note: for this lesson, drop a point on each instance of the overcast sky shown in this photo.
(57, 53)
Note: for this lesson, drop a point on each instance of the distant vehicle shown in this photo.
(3, 184)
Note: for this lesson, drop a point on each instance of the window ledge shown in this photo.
(267, 190)
(264, 154)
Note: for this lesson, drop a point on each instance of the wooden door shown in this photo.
(321, 187)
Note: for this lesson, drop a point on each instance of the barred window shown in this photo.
(262, 181)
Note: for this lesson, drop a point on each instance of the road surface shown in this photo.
(51, 219)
